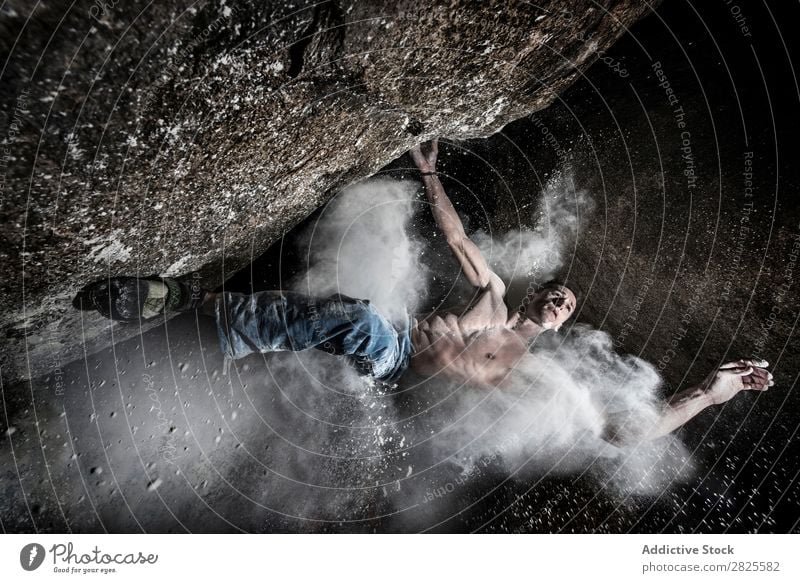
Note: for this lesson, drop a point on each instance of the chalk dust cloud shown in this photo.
(299, 442)
(398, 448)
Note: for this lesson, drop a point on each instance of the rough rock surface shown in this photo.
(185, 137)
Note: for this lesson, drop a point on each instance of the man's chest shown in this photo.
(488, 310)
(495, 347)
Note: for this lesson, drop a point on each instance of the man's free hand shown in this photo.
(424, 155)
(720, 386)
(742, 375)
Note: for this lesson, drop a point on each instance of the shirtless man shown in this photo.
(480, 347)
(485, 343)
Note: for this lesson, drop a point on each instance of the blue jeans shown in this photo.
(271, 321)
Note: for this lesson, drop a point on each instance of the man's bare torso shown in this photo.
(480, 346)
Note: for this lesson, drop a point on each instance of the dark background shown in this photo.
(618, 136)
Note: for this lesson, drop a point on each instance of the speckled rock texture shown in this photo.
(184, 138)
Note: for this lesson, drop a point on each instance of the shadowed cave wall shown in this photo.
(186, 137)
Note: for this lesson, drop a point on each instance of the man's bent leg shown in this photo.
(271, 321)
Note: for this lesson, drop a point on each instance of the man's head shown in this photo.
(551, 305)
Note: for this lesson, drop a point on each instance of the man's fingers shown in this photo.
(737, 371)
(764, 377)
(755, 372)
(745, 362)
(758, 386)
(758, 362)
(761, 374)
(759, 380)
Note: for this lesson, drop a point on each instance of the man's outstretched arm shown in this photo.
(469, 256)
(720, 386)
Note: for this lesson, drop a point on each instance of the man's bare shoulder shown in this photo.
(496, 285)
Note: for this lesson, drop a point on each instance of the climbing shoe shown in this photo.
(128, 299)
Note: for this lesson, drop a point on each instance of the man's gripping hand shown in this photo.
(424, 155)
(742, 375)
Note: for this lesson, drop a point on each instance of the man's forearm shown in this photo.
(724, 383)
(680, 409)
(473, 264)
(623, 428)
(443, 211)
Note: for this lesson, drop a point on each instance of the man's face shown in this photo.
(551, 306)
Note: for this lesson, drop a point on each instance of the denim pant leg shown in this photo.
(271, 321)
